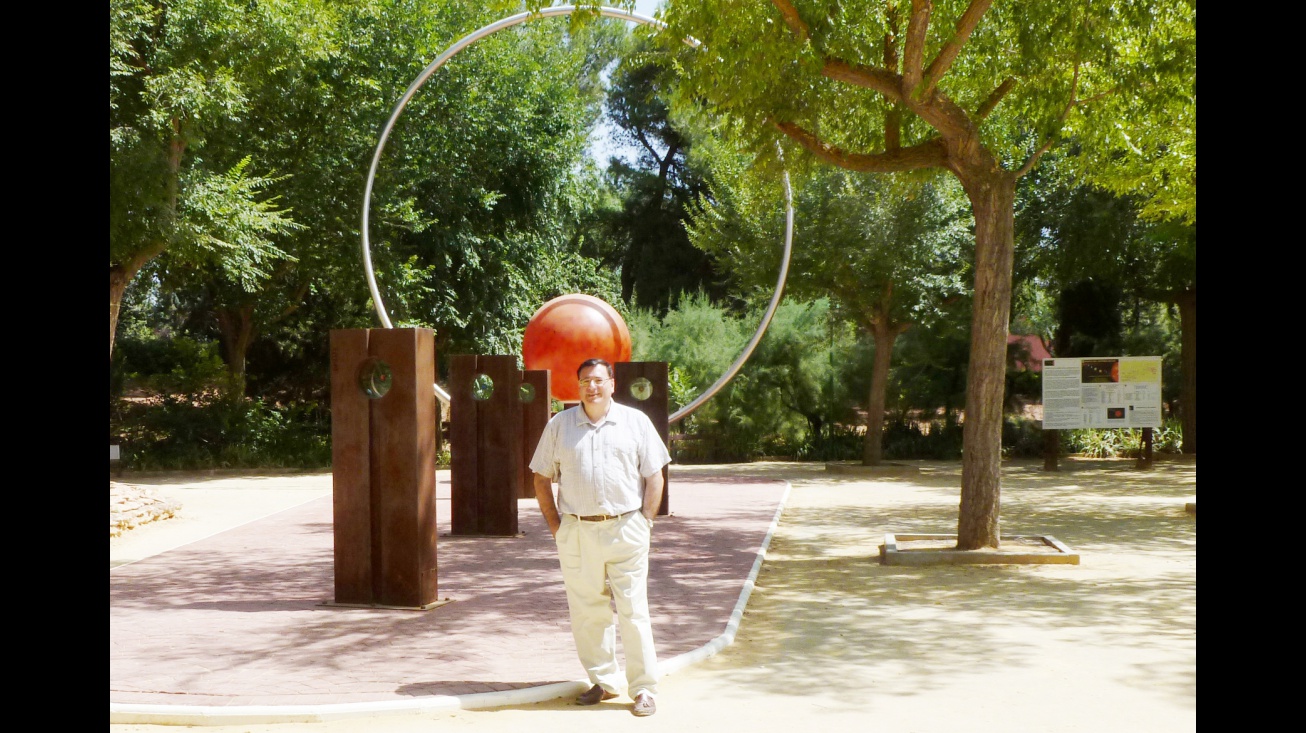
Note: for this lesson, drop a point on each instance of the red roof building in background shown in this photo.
(1029, 351)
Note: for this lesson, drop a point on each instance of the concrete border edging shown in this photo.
(726, 638)
(891, 554)
(886, 469)
(201, 715)
(259, 714)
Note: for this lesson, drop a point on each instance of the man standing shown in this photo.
(607, 459)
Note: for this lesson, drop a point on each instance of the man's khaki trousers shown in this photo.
(615, 550)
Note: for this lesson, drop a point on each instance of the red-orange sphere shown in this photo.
(568, 330)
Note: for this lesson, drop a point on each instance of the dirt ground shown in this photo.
(832, 640)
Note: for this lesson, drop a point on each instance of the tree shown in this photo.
(793, 386)
(475, 198)
(1098, 256)
(474, 213)
(484, 180)
(644, 234)
(1176, 283)
(978, 90)
(178, 71)
(885, 254)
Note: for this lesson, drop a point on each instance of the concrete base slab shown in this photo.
(939, 549)
(425, 607)
(452, 536)
(884, 468)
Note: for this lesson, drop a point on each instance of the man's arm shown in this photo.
(652, 494)
(544, 497)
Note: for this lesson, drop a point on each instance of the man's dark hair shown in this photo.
(594, 362)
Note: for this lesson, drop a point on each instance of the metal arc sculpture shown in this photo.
(457, 47)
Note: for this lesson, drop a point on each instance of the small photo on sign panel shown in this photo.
(1099, 371)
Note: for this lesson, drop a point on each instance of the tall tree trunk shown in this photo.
(237, 327)
(121, 274)
(815, 425)
(118, 281)
(885, 335)
(1187, 301)
(630, 263)
(992, 196)
(631, 259)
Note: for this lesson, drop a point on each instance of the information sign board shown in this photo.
(1102, 392)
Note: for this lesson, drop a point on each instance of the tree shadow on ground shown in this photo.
(825, 605)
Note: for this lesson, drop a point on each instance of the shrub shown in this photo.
(839, 443)
(1169, 438)
(177, 365)
(197, 432)
(1121, 443)
(1092, 442)
(1021, 438)
(784, 397)
(938, 440)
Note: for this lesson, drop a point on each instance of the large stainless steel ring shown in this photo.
(453, 50)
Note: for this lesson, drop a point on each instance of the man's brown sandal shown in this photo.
(594, 695)
(644, 705)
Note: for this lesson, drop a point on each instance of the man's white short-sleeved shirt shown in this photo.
(600, 469)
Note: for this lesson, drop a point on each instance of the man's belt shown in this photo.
(601, 517)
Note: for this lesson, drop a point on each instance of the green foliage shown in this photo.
(1095, 443)
(938, 440)
(1169, 438)
(884, 250)
(484, 182)
(797, 396)
(642, 231)
(1121, 443)
(1022, 438)
(932, 364)
(698, 339)
(1118, 78)
(836, 443)
(240, 134)
(786, 399)
(1095, 278)
(182, 72)
(942, 439)
(178, 365)
(233, 229)
(197, 432)
(888, 254)
(1024, 386)
(172, 406)
(240, 137)
(680, 390)
(1090, 271)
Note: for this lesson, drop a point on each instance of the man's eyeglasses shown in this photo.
(594, 382)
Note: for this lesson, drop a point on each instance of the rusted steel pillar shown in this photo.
(383, 434)
(643, 386)
(485, 443)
